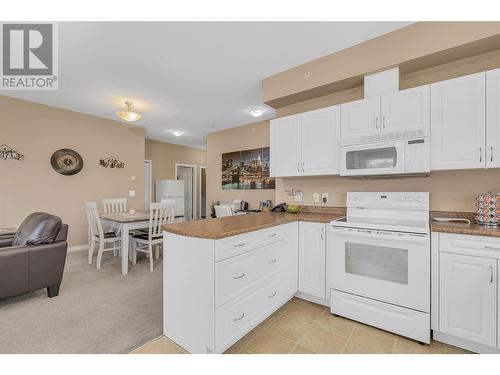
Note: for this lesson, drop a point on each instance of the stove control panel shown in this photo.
(416, 200)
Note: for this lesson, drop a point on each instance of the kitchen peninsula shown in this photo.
(222, 277)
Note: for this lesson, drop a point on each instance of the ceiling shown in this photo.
(198, 77)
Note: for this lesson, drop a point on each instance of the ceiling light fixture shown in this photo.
(256, 111)
(177, 133)
(129, 114)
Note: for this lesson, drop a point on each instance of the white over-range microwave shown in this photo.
(403, 156)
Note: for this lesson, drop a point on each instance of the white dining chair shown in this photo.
(159, 214)
(223, 211)
(114, 205)
(107, 241)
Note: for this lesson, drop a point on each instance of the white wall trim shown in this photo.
(78, 248)
(199, 193)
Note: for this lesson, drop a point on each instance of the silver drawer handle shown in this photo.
(273, 261)
(491, 151)
(480, 154)
(272, 295)
(241, 317)
(492, 248)
(491, 274)
(240, 244)
(240, 276)
(272, 235)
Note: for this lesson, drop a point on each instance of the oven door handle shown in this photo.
(384, 235)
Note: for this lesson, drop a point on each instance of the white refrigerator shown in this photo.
(173, 191)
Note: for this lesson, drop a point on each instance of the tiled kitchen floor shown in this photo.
(302, 327)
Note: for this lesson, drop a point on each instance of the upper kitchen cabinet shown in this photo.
(306, 144)
(359, 119)
(406, 111)
(458, 123)
(285, 146)
(320, 141)
(493, 118)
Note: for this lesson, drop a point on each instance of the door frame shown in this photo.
(195, 185)
(199, 193)
(146, 201)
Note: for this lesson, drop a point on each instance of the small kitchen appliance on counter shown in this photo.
(379, 262)
(488, 209)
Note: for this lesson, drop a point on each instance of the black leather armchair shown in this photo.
(34, 257)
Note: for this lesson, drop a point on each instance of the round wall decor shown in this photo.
(67, 162)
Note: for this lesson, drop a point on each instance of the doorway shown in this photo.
(187, 173)
(148, 179)
(203, 192)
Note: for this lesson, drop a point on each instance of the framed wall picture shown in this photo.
(247, 170)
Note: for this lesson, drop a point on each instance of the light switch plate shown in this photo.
(131, 193)
(316, 197)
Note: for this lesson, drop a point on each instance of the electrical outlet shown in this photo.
(324, 197)
(316, 197)
(298, 196)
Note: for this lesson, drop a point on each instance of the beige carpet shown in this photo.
(97, 311)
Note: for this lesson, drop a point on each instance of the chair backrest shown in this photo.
(159, 214)
(170, 204)
(223, 211)
(94, 220)
(114, 205)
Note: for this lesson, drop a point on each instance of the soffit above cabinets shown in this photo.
(418, 46)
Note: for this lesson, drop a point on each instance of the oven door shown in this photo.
(387, 266)
(373, 159)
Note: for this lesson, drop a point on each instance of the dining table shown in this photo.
(123, 223)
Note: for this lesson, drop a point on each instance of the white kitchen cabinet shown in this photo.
(359, 119)
(493, 118)
(468, 298)
(458, 115)
(407, 111)
(285, 146)
(312, 259)
(320, 141)
(306, 144)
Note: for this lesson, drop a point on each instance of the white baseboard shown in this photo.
(464, 344)
(78, 248)
(308, 297)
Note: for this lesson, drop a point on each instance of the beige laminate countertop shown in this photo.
(462, 228)
(234, 225)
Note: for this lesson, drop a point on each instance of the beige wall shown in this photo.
(165, 155)
(235, 139)
(32, 185)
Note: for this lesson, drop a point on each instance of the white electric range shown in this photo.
(379, 262)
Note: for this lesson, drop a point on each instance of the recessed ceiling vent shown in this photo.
(381, 83)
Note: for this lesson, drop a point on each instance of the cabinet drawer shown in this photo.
(238, 274)
(234, 320)
(242, 243)
(482, 246)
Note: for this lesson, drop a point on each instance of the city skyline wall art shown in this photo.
(247, 170)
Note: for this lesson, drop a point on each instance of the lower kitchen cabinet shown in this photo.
(465, 293)
(312, 259)
(468, 298)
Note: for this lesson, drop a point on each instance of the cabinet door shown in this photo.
(458, 123)
(407, 110)
(468, 298)
(285, 149)
(312, 255)
(493, 118)
(320, 142)
(359, 119)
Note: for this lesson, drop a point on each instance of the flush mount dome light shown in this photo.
(129, 114)
(177, 133)
(256, 111)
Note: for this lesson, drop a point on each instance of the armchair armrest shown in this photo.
(14, 271)
(46, 264)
